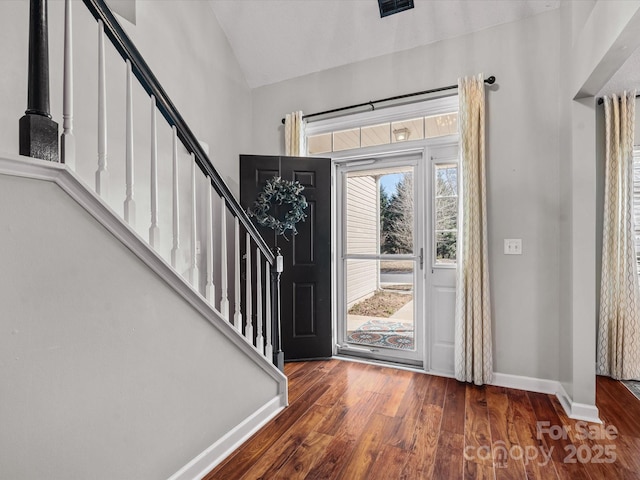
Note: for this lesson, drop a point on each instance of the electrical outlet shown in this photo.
(513, 246)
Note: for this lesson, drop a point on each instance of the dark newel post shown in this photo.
(278, 354)
(38, 132)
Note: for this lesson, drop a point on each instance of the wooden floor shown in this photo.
(355, 421)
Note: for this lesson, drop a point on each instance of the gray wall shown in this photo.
(523, 161)
(105, 371)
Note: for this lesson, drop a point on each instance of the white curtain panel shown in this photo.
(619, 325)
(473, 347)
(294, 136)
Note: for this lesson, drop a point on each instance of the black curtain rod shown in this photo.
(491, 80)
(601, 99)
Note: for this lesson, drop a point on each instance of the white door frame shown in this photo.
(425, 147)
(438, 354)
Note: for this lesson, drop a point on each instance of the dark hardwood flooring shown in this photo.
(353, 421)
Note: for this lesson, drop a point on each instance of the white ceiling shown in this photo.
(275, 40)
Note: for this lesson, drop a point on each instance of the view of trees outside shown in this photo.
(396, 214)
(446, 212)
(396, 217)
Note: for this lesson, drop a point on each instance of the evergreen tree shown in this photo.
(397, 231)
(385, 219)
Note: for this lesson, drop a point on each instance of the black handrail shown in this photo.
(150, 83)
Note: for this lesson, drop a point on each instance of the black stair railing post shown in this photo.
(38, 132)
(278, 354)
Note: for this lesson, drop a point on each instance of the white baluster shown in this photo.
(68, 141)
(237, 317)
(176, 202)
(154, 229)
(210, 289)
(224, 300)
(129, 203)
(102, 175)
(268, 347)
(194, 274)
(259, 337)
(248, 326)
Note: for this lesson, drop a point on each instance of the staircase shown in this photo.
(134, 347)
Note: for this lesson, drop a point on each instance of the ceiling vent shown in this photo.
(389, 7)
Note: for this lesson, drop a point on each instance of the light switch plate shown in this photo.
(513, 246)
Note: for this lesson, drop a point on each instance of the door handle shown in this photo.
(422, 259)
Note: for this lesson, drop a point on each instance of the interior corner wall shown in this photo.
(522, 152)
(583, 250)
(568, 18)
(579, 13)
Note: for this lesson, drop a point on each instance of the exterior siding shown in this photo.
(362, 237)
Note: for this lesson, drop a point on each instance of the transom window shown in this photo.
(409, 129)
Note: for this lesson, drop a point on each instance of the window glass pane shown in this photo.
(376, 135)
(439, 125)
(446, 180)
(362, 214)
(319, 143)
(346, 139)
(447, 213)
(396, 212)
(379, 211)
(404, 130)
(379, 297)
(446, 247)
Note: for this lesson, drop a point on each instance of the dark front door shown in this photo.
(305, 285)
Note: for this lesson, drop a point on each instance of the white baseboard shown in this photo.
(530, 384)
(574, 410)
(216, 453)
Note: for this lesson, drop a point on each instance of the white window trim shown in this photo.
(442, 159)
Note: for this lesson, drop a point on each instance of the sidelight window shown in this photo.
(445, 212)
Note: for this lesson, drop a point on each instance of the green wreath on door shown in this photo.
(278, 191)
